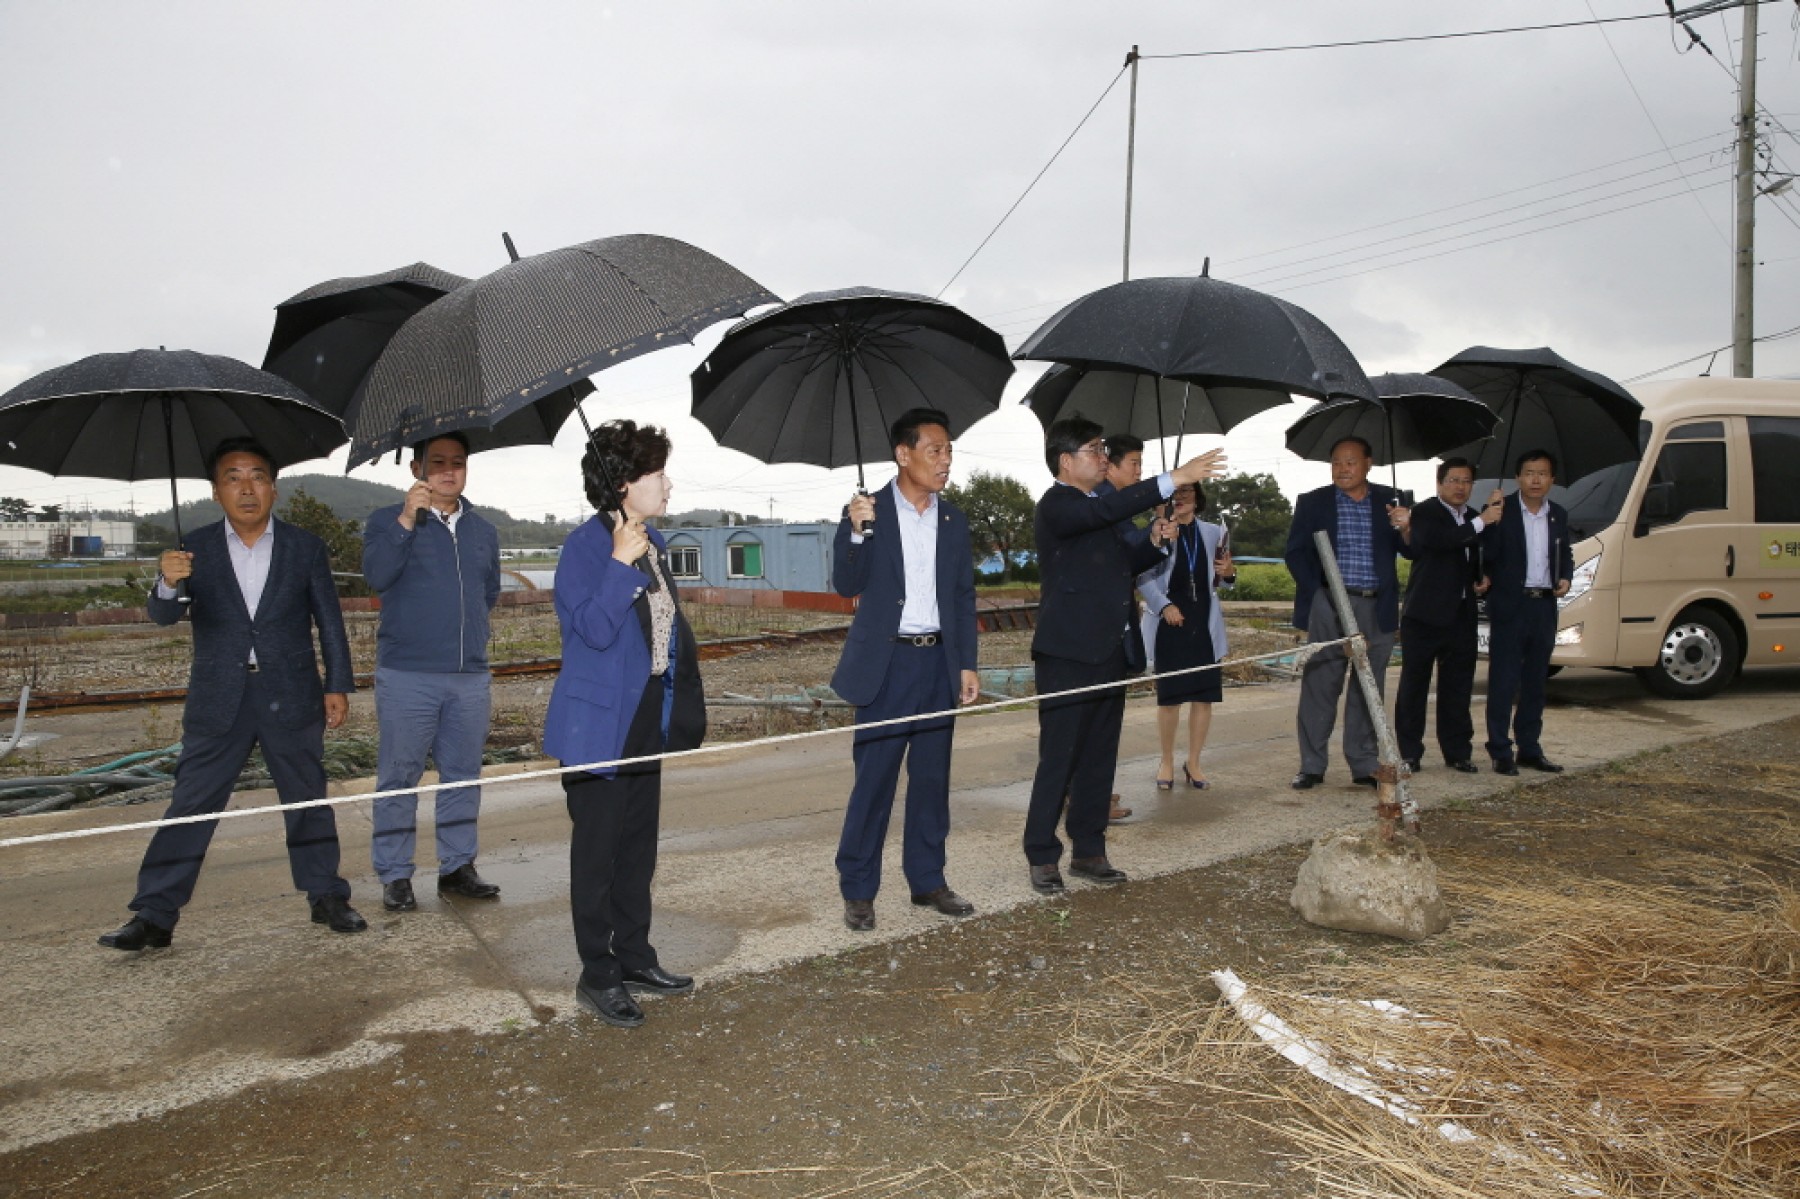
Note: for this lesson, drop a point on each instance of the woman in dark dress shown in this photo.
(1184, 628)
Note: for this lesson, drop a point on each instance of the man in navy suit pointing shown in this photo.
(911, 650)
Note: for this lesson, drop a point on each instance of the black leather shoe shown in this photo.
(612, 1004)
(135, 934)
(1365, 780)
(657, 981)
(1540, 763)
(1505, 766)
(397, 896)
(946, 901)
(1047, 880)
(1097, 870)
(1413, 765)
(1463, 766)
(859, 915)
(465, 882)
(1305, 781)
(336, 912)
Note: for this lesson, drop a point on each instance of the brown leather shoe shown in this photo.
(1118, 811)
(946, 901)
(1047, 880)
(859, 915)
(1097, 870)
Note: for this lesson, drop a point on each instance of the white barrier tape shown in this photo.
(718, 747)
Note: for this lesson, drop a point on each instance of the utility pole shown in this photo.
(1131, 60)
(1743, 284)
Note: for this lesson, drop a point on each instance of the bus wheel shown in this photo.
(1699, 657)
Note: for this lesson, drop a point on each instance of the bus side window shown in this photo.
(1689, 477)
(1774, 449)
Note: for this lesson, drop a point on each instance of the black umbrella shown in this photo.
(1548, 403)
(1150, 407)
(538, 325)
(1414, 418)
(820, 378)
(1201, 330)
(328, 337)
(152, 414)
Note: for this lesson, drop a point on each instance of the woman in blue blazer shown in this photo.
(629, 687)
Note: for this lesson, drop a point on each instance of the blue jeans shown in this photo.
(445, 715)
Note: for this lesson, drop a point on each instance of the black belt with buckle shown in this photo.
(1362, 592)
(251, 667)
(1540, 593)
(922, 640)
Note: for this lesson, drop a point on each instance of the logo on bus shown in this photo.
(1784, 552)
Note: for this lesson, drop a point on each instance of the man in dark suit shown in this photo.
(911, 649)
(1087, 567)
(1365, 522)
(1124, 467)
(1437, 621)
(259, 588)
(1529, 563)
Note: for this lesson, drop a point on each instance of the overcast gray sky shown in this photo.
(173, 170)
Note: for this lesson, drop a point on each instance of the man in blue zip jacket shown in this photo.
(435, 563)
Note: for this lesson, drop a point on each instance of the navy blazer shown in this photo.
(604, 615)
(1440, 590)
(1317, 510)
(1503, 555)
(875, 571)
(297, 597)
(1088, 567)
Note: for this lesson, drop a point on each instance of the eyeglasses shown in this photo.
(1096, 451)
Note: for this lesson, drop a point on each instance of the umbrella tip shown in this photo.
(1205, 267)
(511, 253)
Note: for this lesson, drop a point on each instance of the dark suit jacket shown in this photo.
(1317, 510)
(297, 597)
(1503, 555)
(604, 615)
(1087, 567)
(1440, 590)
(875, 571)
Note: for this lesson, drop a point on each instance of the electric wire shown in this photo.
(1105, 92)
(1422, 37)
(1654, 127)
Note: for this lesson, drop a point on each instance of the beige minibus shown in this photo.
(1687, 562)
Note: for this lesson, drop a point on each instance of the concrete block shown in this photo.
(1355, 881)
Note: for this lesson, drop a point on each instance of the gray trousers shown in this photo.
(445, 716)
(1323, 682)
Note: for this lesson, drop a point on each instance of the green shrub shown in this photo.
(1260, 581)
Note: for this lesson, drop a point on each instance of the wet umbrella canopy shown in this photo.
(822, 378)
(536, 326)
(327, 338)
(152, 414)
(1415, 418)
(1548, 403)
(1201, 330)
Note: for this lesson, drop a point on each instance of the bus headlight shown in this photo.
(1569, 636)
(1580, 583)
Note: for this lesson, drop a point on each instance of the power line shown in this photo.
(1785, 333)
(1105, 92)
(1465, 221)
(1655, 128)
(1270, 286)
(1422, 37)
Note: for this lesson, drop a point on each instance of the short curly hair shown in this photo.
(628, 451)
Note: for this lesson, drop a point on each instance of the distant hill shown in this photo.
(354, 499)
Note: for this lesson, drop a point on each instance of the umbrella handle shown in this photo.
(867, 529)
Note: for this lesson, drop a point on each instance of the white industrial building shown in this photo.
(37, 539)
